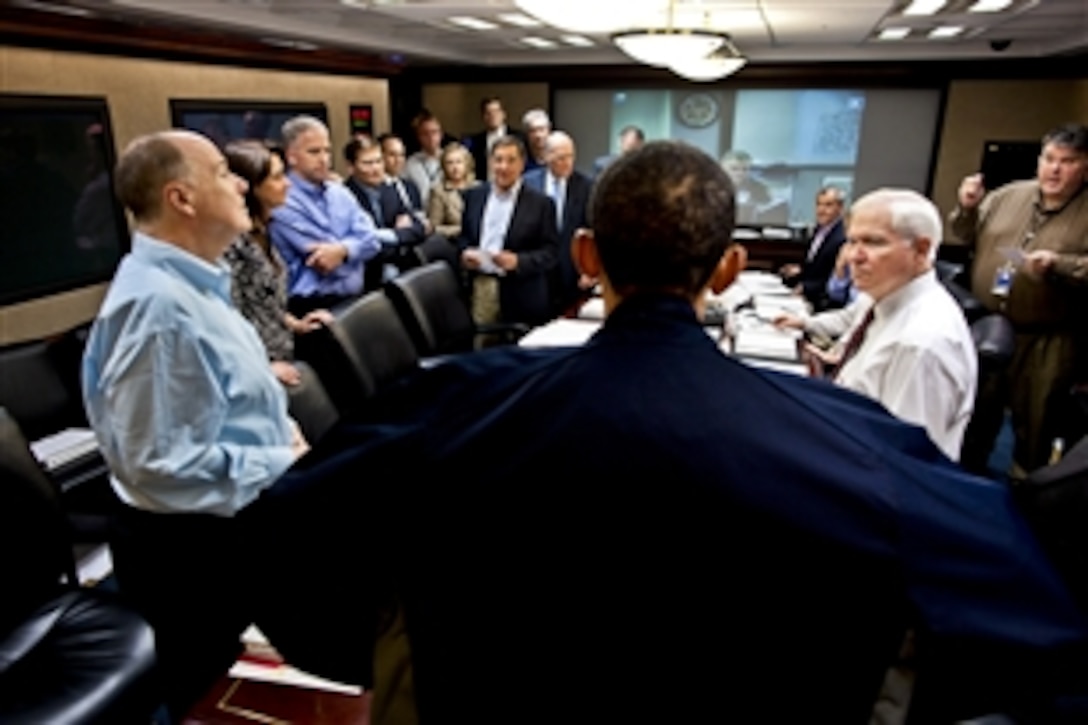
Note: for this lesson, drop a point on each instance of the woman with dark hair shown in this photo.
(259, 285)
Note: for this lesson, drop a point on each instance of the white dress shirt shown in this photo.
(919, 360)
(498, 211)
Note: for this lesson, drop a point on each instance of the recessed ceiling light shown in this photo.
(354, 3)
(579, 41)
(520, 20)
(924, 7)
(946, 31)
(542, 43)
(894, 33)
(989, 6)
(466, 21)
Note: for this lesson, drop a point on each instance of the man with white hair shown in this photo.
(910, 348)
(537, 126)
(569, 189)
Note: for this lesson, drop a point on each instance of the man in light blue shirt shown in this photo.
(195, 430)
(322, 234)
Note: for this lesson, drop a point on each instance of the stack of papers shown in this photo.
(766, 344)
(65, 447)
(560, 333)
(593, 309)
(769, 307)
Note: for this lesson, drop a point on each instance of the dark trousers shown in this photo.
(1036, 389)
(291, 562)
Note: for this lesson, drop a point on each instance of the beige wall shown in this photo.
(139, 92)
(457, 105)
(979, 111)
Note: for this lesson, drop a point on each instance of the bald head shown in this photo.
(147, 165)
(559, 153)
(181, 191)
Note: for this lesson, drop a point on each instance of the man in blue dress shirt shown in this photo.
(195, 430)
(322, 234)
(644, 529)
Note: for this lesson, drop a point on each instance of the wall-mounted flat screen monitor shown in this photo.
(1005, 161)
(780, 145)
(61, 226)
(226, 121)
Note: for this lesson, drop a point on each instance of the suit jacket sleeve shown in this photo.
(543, 257)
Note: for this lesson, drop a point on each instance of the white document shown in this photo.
(486, 261)
(282, 674)
(793, 368)
(560, 333)
(61, 448)
(593, 309)
(769, 307)
(765, 343)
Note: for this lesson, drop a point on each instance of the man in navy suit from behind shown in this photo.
(811, 275)
(643, 529)
(569, 190)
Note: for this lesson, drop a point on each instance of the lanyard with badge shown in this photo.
(1014, 257)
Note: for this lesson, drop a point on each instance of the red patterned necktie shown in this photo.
(854, 343)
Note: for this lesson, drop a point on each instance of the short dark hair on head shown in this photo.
(356, 146)
(145, 167)
(252, 160)
(635, 130)
(388, 137)
(662, 217)
(423, 117)
(509, 140)
(1073, 135)
(488, 101)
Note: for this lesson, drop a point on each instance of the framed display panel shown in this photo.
(61, 226)
(226, 121)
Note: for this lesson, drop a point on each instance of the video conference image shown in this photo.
(779, 146)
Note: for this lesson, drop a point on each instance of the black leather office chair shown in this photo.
(35, 391)
(995, 341)
(435, 314)
(67, 654)
(365, 348)
(308, 403)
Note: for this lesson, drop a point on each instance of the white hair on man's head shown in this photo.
(557, 137)
(295, 127)
(834, 192)
(912, 216)
(536, 117)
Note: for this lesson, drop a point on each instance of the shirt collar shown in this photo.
(906, 294)
(504, 195)
(307, 186)
(199, 273)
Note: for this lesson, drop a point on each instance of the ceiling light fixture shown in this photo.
(540, 43)
(578, 41)
(691, 53)
(945, 31)
(989, 6)
(894, 33)
(520, 20)
(924, 7)
(467, 21)
(592, 18)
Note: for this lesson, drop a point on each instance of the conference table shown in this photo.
(739, 320)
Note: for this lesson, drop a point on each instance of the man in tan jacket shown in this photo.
(1031, 264)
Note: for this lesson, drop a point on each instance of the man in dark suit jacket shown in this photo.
(398, 229)
(480, 144)
(668, 532)
(811, 275)
(508, 237)
(569, 190)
